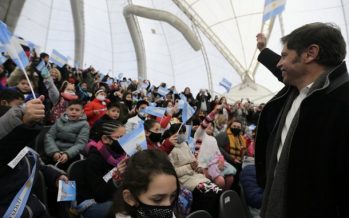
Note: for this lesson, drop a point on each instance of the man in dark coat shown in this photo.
(302, 139)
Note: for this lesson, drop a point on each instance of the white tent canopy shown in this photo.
(226, 29)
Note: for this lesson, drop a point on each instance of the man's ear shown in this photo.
(128, 198)
(312, 53)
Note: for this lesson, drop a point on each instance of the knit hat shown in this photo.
(99, 91)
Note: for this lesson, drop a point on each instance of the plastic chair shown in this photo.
(74, 172)
(230, 205)
(39, 143)
(244, 201)
(199, 214)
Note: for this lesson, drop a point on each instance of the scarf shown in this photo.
(111, 158)
(236, 146)
(275, 194)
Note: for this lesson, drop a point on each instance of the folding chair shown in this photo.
(230, 205)
(199, 214)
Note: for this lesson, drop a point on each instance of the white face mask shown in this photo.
(69, 92)
(100, 97)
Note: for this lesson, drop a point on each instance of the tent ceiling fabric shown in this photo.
(108, 45)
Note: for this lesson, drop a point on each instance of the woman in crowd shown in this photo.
(210, 158)
(205, 193)
(94, 188)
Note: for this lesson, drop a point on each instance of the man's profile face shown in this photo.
(291, 66)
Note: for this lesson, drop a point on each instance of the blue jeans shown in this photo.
(98, 210)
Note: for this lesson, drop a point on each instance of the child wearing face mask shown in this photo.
(205, 193)
(68, 136)
(154, 137)
(95, 189)
(150, 188)
(96, 108)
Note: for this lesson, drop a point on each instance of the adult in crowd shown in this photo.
(19, 126)
(232, 145)
(302, 138)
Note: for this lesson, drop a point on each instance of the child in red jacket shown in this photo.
(96, 108)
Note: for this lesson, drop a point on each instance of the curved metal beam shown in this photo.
(131, 10)
(79, 29)
(10, 11)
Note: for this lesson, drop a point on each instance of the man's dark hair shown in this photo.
(326, 35)
(10, 95)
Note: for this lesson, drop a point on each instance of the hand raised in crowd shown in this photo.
(34, 111)
(173, 139)
(261, 41)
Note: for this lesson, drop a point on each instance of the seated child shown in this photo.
(68, 135)
(113, 113)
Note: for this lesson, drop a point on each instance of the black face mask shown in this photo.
(235, 131)
(150, 211)
(116, 147)
(155, 137)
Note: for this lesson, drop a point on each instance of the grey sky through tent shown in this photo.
(108, 45)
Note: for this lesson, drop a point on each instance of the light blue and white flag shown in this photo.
(182, 96)
(188, 132)
(40, 66)
(12, 46)
(181, 103)
(163, 91)
(134, 141)
(187, 112)
(225, 84)
(191, 143)
(3, 59)
(66, 191)
(155, 111)
(58, 59)
(273, 8)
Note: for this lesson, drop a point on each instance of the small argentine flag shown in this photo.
(187, 112)
(58, 59)
(226, 84)
(155, 111)
(163, 91)
(134, 141)
(273, 8)
(12, 46)
(40, 66)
